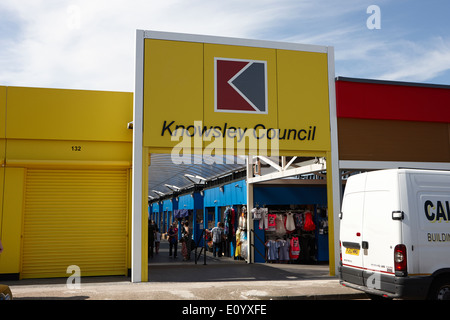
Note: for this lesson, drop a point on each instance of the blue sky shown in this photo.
(90, 44)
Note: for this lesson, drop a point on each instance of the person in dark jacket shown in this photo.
(173, 239)
(151, 237)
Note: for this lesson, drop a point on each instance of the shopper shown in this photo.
(217, 238)
(157, 240)
(173, 239)
(187, 237)
(151, 237)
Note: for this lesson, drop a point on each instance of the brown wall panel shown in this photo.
(390, 140)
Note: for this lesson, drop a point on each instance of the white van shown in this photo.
(395, 234)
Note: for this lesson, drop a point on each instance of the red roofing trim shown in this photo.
(382, 100)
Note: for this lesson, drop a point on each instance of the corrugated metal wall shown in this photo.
(75, 217)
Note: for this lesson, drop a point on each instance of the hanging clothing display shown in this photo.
(290, 223)
(298, 218)
(229, 221)
(263, 218)
(291, 232)
(272, 249)
(294, 251)
(237, 252)
(283, 252)
(241, 244)
(280, 224)
(256, 213)
(244, 244)
(271, 222)
(243, 221)
(308, 225)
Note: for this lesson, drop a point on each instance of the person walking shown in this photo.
(151, 237)
(217, 237)
(173, 239)
(186, 245)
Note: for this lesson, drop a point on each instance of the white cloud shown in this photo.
(89, 44)
(420, 62)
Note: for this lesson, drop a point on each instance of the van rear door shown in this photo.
(381, 232)
(351, 224)
(367, 226)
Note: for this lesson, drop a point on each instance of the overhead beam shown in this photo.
(312, 168)
(270, 162)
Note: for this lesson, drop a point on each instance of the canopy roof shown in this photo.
(168, 174)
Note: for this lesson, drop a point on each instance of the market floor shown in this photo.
(175, 279)
(163, 268)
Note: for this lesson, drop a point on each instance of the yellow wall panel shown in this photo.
(11, 225)
(2, 177)
(2, 151)
(59, 114)
(2, 111)
(62, 151)
(303, 100)
(181, 90)
(75, 217)
(56, 129)
(173, 89)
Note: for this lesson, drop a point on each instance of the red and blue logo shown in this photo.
(240, 86)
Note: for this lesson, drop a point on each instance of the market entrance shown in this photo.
(288, 223)
(243, 99)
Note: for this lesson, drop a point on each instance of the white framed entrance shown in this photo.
(317, 108)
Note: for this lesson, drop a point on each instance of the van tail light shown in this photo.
(400, 258)
(340, 251)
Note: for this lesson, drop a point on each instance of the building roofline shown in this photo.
(391, 82)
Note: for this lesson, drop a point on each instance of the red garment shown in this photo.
(294, 250)
(271, 225)
(309, 223)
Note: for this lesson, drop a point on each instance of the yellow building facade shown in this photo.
(65, 182)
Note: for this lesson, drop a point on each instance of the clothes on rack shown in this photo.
(298, 218)
(283, 252)
(272, 250)
(243, 221)
(280, 223)
(309, 223)
(285, 222)
(241, 243)
(271, 222)
(229, 221)
(244, 244)
(237, 252)
(294, 249)
(290, 223)
(261, 214)
(256, 214)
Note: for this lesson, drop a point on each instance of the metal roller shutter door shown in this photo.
(75, 217)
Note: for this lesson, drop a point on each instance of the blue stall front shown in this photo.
(154, 210)
(225, 203)
(296, 214)
(168, 207)
(190, 208)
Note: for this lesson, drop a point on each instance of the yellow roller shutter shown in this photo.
(75, 217)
